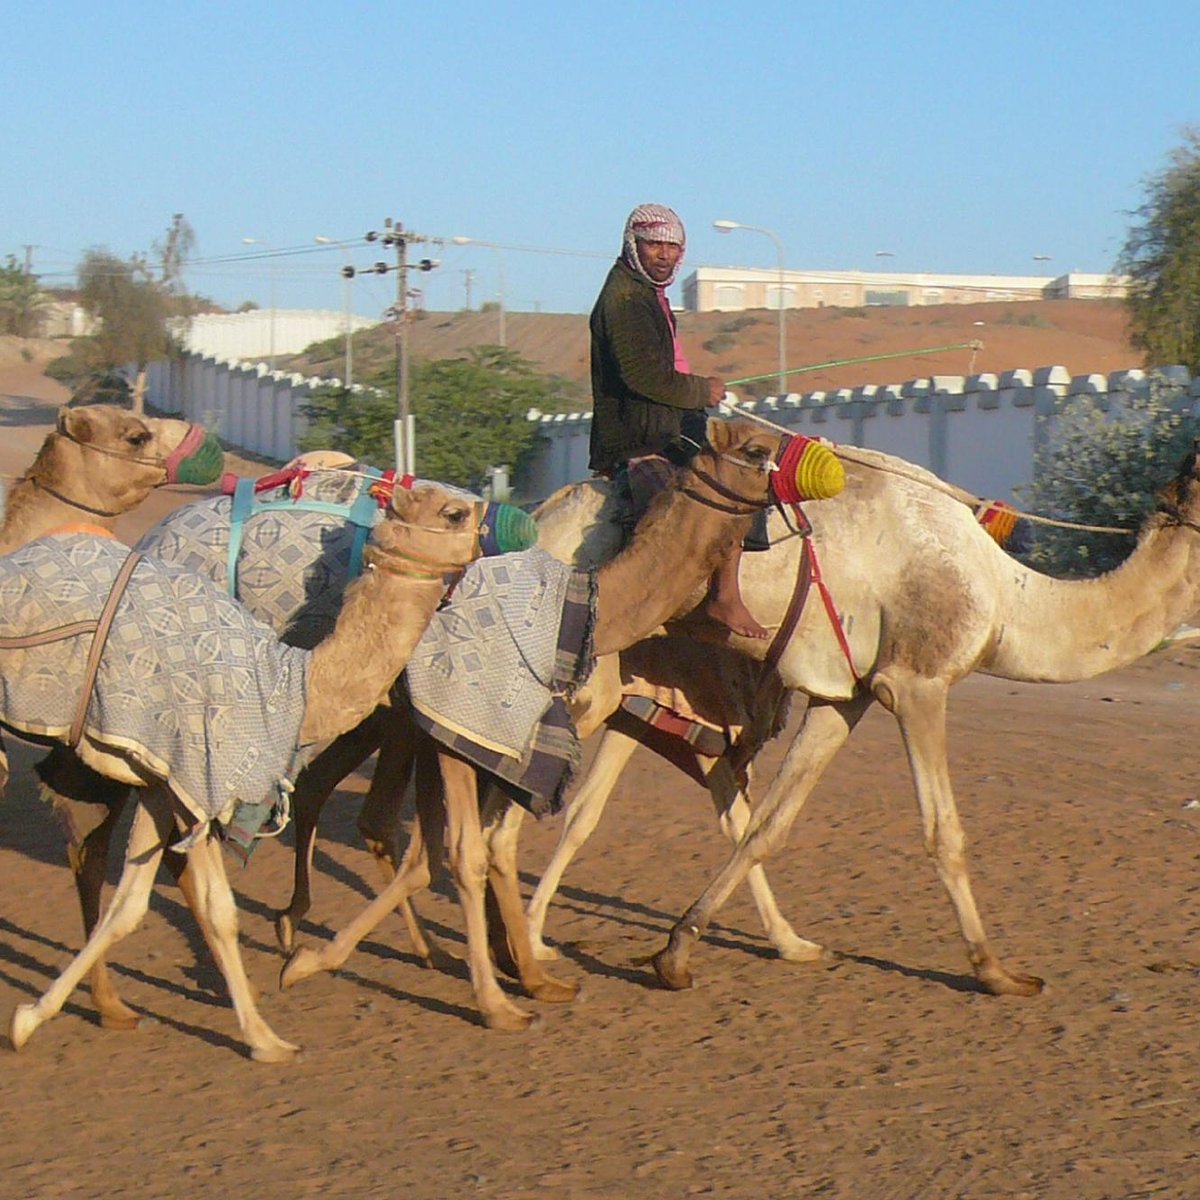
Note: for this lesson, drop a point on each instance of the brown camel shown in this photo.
(675, 548)
(428, 537)
(98, 462)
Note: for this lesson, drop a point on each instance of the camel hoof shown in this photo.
(276, 1052)
(122, 1022)
(302, 963)
(285, 932)
(24, 1022)
(554, 991)
(673, 977)
(998, 982)
(511, 1020)
(800, 950)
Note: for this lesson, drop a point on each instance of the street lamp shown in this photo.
(1041, 258)
(249, 241)
(884, 254)
(728, 227)
(347, 283)
(460, 240)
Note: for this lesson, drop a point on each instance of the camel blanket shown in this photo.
(190, 687)
(489, 675)
(294, 560)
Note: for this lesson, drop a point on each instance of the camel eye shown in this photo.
(455, 517)
(139, 439)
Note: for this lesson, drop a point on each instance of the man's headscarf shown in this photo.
(652, 223)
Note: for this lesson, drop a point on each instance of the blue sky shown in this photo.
(959, 137)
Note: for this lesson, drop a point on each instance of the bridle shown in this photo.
(411, 565)
(741, 506)
(194, 436)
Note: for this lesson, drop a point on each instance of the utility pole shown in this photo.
(394, 234)
(468, 279)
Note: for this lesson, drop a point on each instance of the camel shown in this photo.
(100, 461)
(292, 570)
(426, 540)
(924, 598)
(675, 547)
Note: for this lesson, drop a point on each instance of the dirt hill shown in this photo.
(1084, 336)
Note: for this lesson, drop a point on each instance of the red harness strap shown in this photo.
(807, 573)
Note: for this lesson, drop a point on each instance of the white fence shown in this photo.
(261, 331)
(978, 431)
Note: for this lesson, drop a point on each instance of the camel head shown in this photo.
(1179, 499)
(115, 450)
(758, 465)
(438, 529)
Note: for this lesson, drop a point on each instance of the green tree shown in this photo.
(21, 300)
(469, 414)
(133, 311)
(1161, 256)
(1103, 468)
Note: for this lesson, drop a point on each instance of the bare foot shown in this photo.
(736, 616)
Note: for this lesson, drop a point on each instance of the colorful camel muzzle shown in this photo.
(197, 459)
(807, 469)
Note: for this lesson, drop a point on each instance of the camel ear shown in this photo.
(76, 424)
(719, 434)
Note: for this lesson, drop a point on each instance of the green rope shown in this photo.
(846, 362)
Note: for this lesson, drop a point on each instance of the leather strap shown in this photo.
(98, 642)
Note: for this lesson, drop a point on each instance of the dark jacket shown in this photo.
(640, 403)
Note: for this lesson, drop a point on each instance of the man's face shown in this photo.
(659, 259)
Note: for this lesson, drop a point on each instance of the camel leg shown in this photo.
(314, 785)
(824, 730)
(413, 875)
(579, 823)
(733, 815)
(379, 820)
(153, 825)
(502, 826)
(87, 807)
(920, 707)
(213, 898)
(468, 860)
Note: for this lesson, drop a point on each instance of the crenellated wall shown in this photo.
(978, 431)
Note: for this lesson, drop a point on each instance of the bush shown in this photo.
(1104, 468)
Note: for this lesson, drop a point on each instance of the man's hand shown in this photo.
(716, 390)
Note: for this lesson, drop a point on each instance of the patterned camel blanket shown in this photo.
(491, 673)
(295, 557)
(190, 687)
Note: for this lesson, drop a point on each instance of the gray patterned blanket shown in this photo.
(191, 687)
(489, 675)
(293, 562)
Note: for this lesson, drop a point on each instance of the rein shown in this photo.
(728, 493)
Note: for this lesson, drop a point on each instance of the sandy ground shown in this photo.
(884, 1076)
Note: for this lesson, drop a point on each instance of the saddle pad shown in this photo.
(294, 562)
(190, 687)
(489, 676)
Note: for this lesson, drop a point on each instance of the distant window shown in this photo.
(780, 297)
(729, 296)
(932, 296)
(886, 299)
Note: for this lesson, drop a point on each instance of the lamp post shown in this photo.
(249, 241)
(727, 227)
(460, 240)
(347, 284)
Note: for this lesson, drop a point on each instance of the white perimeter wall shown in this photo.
(977, 431)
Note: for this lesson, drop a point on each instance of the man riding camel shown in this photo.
(646, 403)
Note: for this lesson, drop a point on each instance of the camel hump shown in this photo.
(581, 523)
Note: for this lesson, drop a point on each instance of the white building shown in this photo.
(733, 289)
